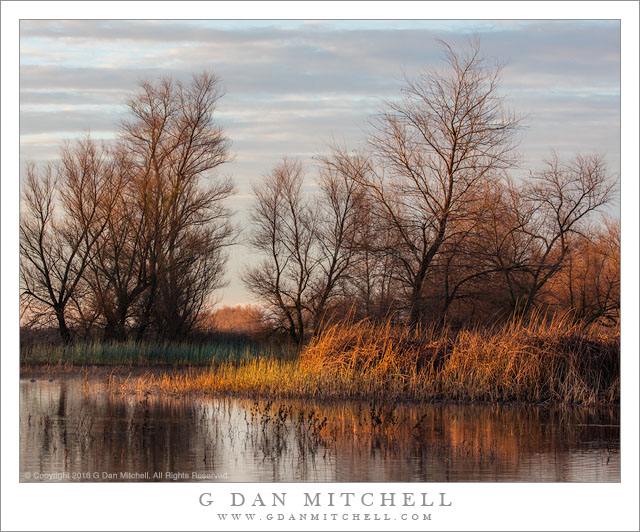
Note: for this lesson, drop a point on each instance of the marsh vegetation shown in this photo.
(538, 362)
(418, 268)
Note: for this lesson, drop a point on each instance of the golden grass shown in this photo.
(537, 361)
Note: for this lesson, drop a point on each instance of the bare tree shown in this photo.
(56, 250)
(589, 283)
(448, 133)
(555, 205)
(283, 229)
(341, 208)
(142, 236)
(174, 144)
(464, 264)
(308, 242)
(116, 276)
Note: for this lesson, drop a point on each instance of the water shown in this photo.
(72, 430)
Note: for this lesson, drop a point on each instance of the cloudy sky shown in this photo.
(292, 87)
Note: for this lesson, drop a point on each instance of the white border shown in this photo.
(175, 507)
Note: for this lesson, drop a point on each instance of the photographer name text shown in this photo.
(332, 499)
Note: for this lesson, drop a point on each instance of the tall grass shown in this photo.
(231, 349)
(537, 361)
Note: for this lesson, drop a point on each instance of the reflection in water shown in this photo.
(75, 430)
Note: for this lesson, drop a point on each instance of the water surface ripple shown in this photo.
(75, 430)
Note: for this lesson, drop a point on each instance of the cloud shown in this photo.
(35, 122)
(47, 96)
(292, 86)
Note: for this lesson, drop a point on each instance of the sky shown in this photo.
(293, 87)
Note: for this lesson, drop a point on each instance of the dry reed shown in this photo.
(539, 361)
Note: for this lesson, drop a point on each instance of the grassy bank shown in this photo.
(223, 349)
(537, 362)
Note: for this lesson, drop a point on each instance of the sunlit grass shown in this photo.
(536, 361)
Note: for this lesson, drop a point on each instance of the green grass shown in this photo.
(147, 354)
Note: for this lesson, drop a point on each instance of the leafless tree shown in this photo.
(589, 283)
(116, 277)
(283, 229)
(555, 204)
(341, 210)
(424, 224)
(448, 133)
(464, 264)
(55, 250)
(143, 229)
(174, 144)
(308, 241)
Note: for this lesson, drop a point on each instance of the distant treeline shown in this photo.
(421, 225)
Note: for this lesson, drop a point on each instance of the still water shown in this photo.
(76, 430)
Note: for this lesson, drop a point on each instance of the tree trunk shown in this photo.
(62, 326)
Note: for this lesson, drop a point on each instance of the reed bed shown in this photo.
(538, 361)
(146, 354)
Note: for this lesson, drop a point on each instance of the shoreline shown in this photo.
(538, 362)
(97, 371)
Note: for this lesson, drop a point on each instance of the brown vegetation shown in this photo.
(539, 361)
(241, 319)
